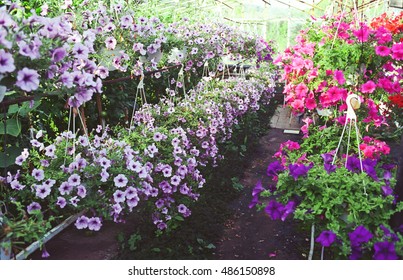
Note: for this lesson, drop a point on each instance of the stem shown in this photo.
(322, 253)
(312, 242)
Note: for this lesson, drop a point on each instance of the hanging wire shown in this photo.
(139, 90)
(67, 139)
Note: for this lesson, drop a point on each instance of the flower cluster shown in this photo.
(155, 165)
(310, 183)
(47, 57)
(338, 57)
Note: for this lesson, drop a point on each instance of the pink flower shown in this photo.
(383, 35)
(298, 105)
(397, 51)
(382, 50)
(339, 77)
(298, 63)
(310, 102)
(301, 90)
(386, 84)
(362, 33)
(368, 87)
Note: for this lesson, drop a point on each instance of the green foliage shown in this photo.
(338, 201)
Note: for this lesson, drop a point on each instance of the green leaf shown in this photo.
(13, 127)
(8, 158)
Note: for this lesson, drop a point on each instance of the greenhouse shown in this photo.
(201, 130)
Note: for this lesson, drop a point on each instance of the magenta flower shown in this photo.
(94, 223)
(27, 79)
(326, 238)
(6, 62)
(120, 181)
(339, 77)
(81, 222)
(362, 33)
(368, 87)
(397, 51)
(33, 207)
(382, 50)
(385, 251)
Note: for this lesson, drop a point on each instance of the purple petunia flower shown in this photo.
(38, 174)
(298, 170)
(104, 175)
(385, 251)
(81, 222)
(27, 79)
(131, 192)
(329, 168)
(61, 201)
(182, 208)
(356, 253)
(50, 151)
(257, 189)
(42, 191)
(6, 62)
(58, 54)
(94, 223)
(327, 158)
(132, 202)
(175, 180)
(254, 202)
(119, 196)
(74, 180)
(16, 185)
(81, 191)
(74, 201)
(274, 209)
(45, 254)
(274, 168)
(359, 235)
(65, 188)
(369, 167)
(33, 206)
(120, 181)
(387, 190)
(288, 209)
(326, 238)
(110, 43)
(143, 173)
(353, 164)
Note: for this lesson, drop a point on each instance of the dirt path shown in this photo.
(253, 235)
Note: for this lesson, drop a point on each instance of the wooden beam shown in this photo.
(313, 6)
(291, 6)
(225, 4)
